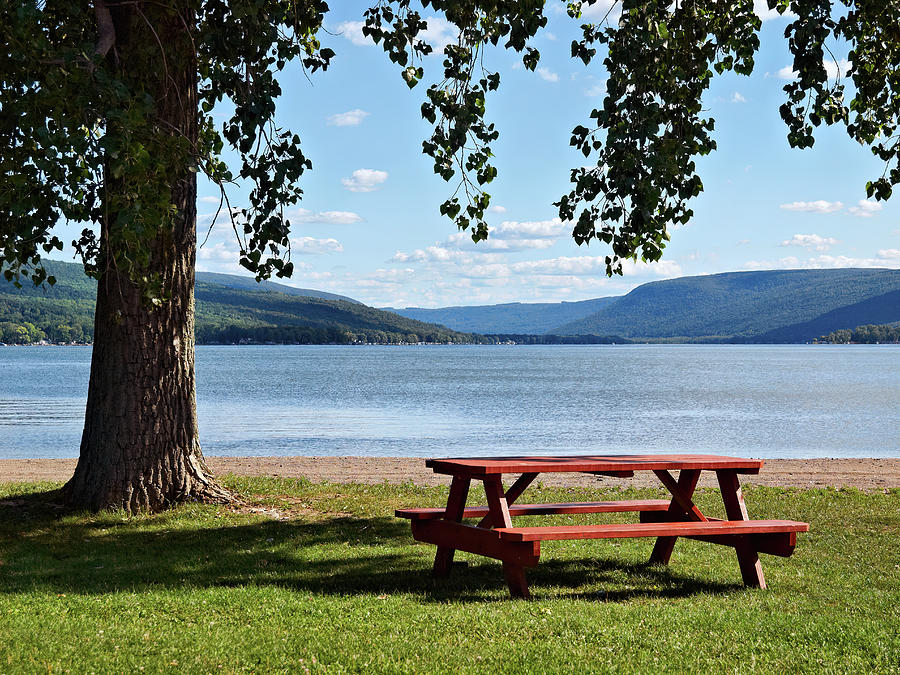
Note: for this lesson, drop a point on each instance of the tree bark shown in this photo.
(140, 448)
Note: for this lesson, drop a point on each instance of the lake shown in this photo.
(749, 400)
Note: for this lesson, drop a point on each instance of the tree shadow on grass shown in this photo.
(335, 556)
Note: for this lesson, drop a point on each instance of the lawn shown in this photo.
(322, 577)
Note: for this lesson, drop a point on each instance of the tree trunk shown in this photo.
(140, 449)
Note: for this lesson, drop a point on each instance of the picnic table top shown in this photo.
(478, 466)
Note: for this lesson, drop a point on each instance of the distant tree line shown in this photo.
(526, 339)
(36, 319)
(315, 335)
(27, 333)
(871, 334)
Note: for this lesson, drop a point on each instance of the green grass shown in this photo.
(322, 577)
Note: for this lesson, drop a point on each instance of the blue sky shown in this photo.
(369, 225)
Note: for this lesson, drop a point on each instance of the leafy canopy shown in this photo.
(71, 121)
(74, 122)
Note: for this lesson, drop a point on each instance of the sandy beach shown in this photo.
(862, 473)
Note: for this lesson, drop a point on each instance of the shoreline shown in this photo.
(865, 473)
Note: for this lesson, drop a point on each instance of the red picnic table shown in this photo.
(495, 536)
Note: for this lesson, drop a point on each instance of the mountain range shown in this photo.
(763, 306)
(537, 318)
(229, 309)
(766, 306)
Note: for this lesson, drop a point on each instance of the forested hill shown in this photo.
(228, 311)
(517, 317)
(767, 306)
(249, 284)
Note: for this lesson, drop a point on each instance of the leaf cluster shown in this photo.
(86, 140)
(460, 143)
(872, 31)
(87, 136)
(47, 135)
(660, 58)
(243, 46)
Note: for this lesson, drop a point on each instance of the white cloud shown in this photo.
(462, 240)
(811, 241)
(351, 118)
(884, 258)
(459, 271)
(507, 237)
(829, 261)
(737, 98)
(662, 268)
(312, 246)
(836, 69)
(220, 257)
(564, 265)
(385, 280)
(761, 7)
(788, 262)
(596, 89)
(866, 208)
(496, 208)
(467, 278)
(818, 206)
(786, 73)
(451, 251)
(326, 217)
(217, 252)
(208, 200)
(547, 74)
(591, 265)
(364, 180)
(429, 254)
(550, 36)
(510, 229)
(352, 30)
(600, 9)
(439, 33)
(832, 68)
(223, 221)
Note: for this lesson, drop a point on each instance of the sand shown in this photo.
(862, 473)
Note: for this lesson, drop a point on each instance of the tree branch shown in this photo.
(105, 27)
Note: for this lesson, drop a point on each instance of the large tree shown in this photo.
(106, 119)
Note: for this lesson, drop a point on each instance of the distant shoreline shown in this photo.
(864, 473)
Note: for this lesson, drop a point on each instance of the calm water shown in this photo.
(761, 401)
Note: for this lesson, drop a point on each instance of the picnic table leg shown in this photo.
(515, 579)
(456, 503)
(499, 516)
(515, 491)
(735, 509)
(682, 491)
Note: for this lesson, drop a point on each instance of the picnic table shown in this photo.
(518, 548)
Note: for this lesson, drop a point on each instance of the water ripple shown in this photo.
(40, 412)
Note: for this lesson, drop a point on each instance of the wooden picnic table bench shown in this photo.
(495, 536)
